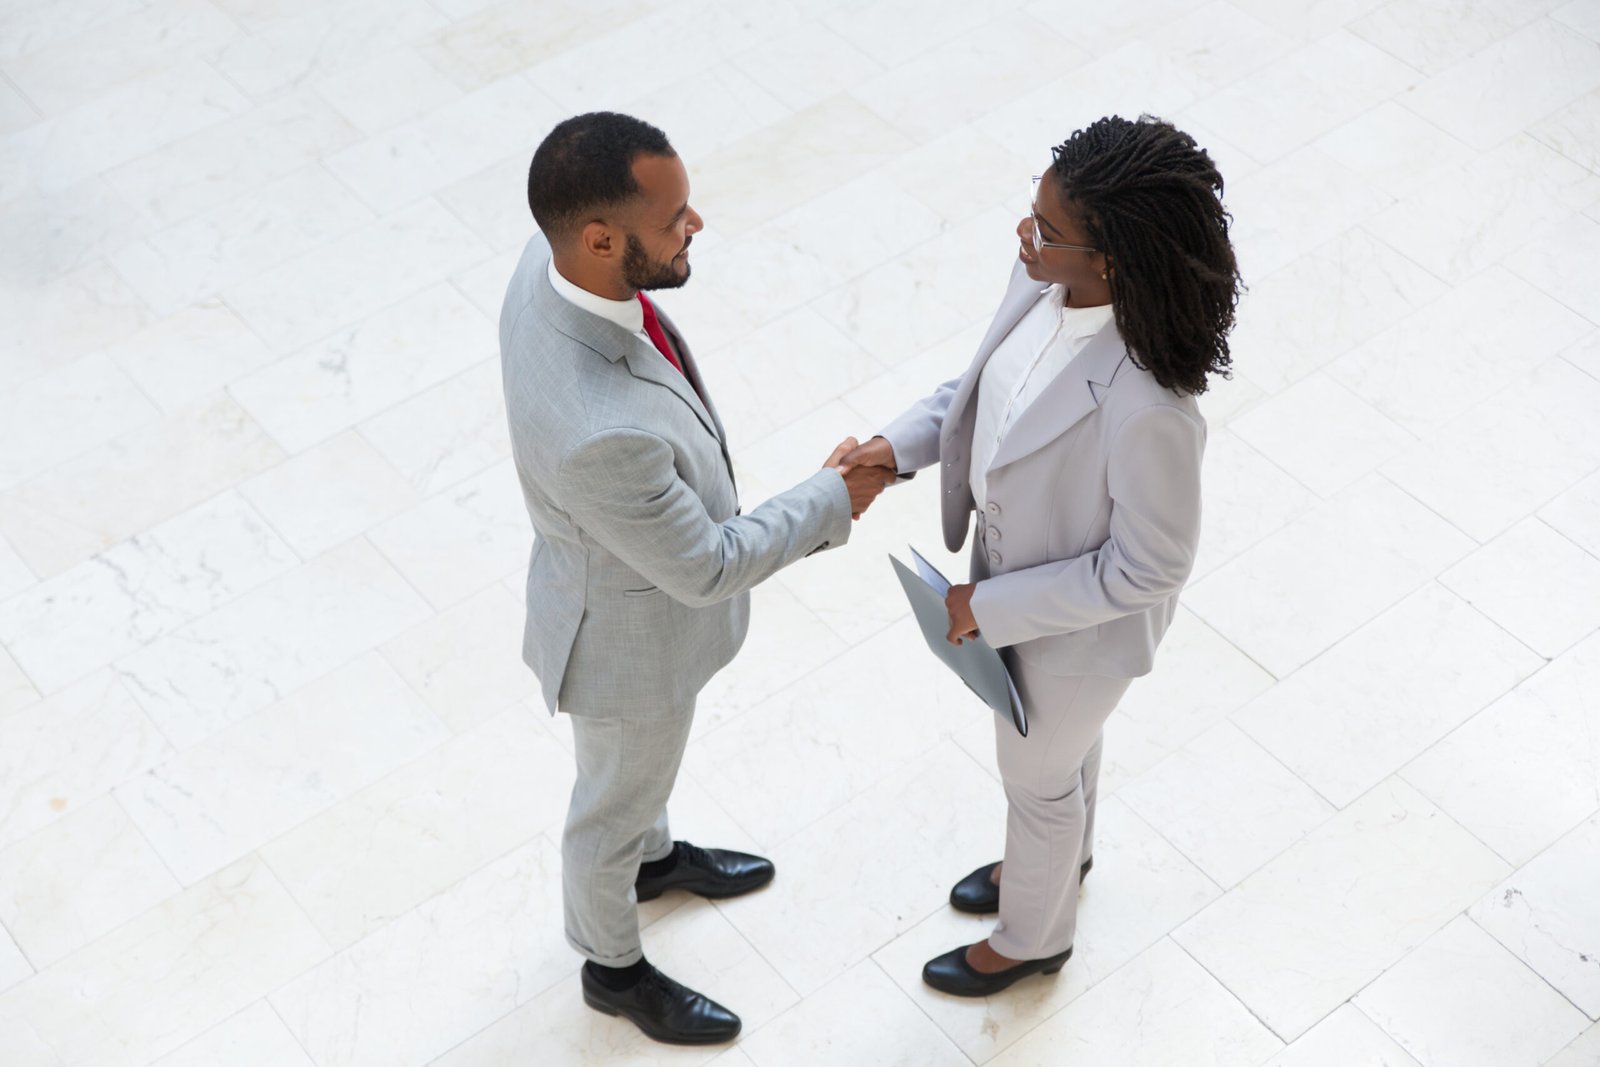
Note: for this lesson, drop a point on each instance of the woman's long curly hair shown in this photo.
(1151, 200)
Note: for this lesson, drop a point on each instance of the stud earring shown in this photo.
(1104, 275)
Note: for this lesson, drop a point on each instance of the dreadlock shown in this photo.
(1152, 202)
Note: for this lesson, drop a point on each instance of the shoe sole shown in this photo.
(709, 895)
(665, 1039)
(1053, 969)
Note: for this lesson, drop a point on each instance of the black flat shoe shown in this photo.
(664, 1010)
(710, 872)
(980, 896)
(951, 973)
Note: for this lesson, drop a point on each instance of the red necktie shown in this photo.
(652, 326)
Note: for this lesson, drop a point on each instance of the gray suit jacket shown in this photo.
(1093, 514)
(641, 566)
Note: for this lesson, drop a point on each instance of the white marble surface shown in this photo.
(1386, 693)
(1299, 591)
(415, 832)
(266, 644)
(1345, 1038)
(77, 879)
(415, 987)
(1462, 998)
(1498, 580)
(228, 795)
(123, 487)
(1462, 474)
(1547, 920)
(1161, 1008)
(141, 588)
(1225, 803)
(276, 789)
(1526, 769)
(166, 976)
(1585, 1049)
(1339, 907)
(255, 1037)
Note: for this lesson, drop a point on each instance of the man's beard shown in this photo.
(638, 272)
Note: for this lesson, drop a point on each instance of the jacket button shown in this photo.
(994, 557)
(994, 509)
(991, 533)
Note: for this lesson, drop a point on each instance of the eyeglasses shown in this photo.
(1039, 243)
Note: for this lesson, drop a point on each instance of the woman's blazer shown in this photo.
(1093, 513)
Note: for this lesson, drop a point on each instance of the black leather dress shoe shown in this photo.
(977, 894)
(664, 1010)
(951, 973)
(710, 872)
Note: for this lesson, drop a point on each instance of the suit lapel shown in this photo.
(646, 363)
(615, 343)
(692, 370)
(1067, 400)
(1021, 294)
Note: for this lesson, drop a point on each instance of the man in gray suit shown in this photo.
(638, 585)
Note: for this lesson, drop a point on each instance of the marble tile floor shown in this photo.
(276, 790)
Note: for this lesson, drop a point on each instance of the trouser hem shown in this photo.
(624, 959)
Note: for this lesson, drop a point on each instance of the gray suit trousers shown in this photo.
(1051, 779)
(616, 820)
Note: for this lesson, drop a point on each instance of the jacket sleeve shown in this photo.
(622, 487)
(1154, 482)
(914, 435)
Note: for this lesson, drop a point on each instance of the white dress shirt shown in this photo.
(629, 314)
(1037, 349)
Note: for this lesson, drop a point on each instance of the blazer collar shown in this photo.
(615, 344)
(1021, 293)
(1068, 399)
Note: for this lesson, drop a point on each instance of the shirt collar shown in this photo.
(1078, 323)
(629, 314)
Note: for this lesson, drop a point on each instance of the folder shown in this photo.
(974, 661)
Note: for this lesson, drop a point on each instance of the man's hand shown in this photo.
(959, 606)
(865, 484)
(836, 461)
(877, 452)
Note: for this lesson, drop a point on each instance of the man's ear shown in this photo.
(597, 240)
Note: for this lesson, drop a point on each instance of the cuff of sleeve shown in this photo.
(837, 525)
(907, 461)
(988, 608)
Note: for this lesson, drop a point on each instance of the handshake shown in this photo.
(867, 469)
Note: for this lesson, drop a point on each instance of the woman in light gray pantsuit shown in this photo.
(1076, 438)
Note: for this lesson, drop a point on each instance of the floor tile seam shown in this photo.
(1464, 914)
(212, 290)
(114, 664)
(1508, 264)
(306, 349)
(1525, 965)
(1332, 813)
(917, 1004)
(1283, 1042)
(1477, 710)
(346, 324)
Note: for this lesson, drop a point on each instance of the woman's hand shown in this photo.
(959, 604)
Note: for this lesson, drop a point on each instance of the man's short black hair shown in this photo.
(586, 163)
